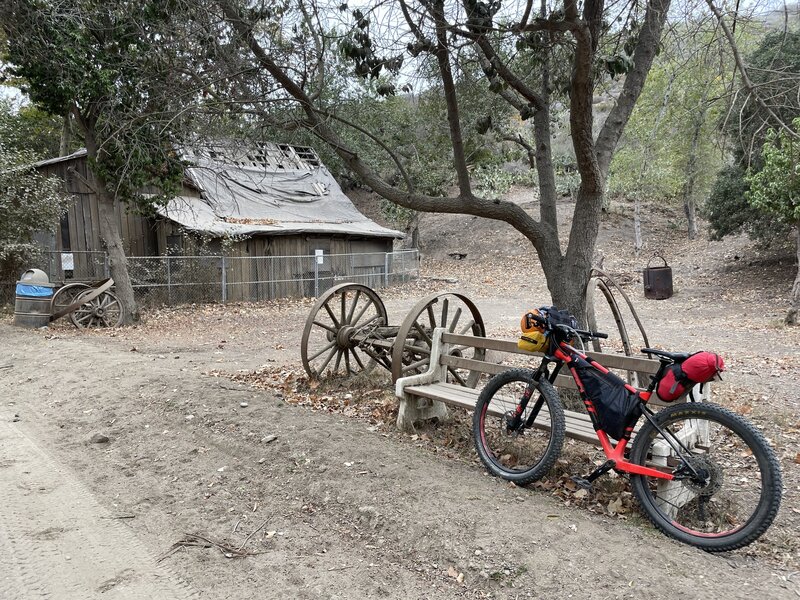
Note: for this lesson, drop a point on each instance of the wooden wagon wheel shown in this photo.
(341, 319)
(412, 347)
(104, 310)
(66, 295)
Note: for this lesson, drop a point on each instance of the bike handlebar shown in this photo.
(580, 332)
(566, 328)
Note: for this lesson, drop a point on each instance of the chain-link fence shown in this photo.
(63, 267)
(173, 280)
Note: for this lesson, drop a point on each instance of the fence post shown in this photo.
(385, 269)
(224, 279)
(169, 283)
(316, 277)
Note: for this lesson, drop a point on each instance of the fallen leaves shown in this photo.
(377, 405)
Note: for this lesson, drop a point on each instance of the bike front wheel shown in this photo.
(524, 450)
(729, 492)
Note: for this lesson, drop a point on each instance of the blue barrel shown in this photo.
(34, 295)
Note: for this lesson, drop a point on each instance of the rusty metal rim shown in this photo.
(600, 277)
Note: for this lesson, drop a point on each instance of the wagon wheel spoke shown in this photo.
(324, 326)
(330, 313)
(67, 295)
(415, 365)
(431, 316)
(439, 310)
(353, 307)
(327, 361)
(323, 351)
(457, 376)
(347, 361)
(467, 327)
(454, 322)
(422, 332)
(331, 331)
(356, 358)
(85, 316)
(417, 349)
(361, 313)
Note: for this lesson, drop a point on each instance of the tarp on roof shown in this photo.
(244, 193)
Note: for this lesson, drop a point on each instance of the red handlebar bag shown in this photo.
(700, 367)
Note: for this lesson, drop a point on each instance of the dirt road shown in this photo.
(330, 507)
(199, 469)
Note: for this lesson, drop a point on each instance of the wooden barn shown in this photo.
(253, 205)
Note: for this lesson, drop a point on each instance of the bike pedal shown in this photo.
(581, 482)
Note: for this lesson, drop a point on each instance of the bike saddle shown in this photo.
(673, 356)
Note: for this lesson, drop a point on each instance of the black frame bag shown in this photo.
(616, 407)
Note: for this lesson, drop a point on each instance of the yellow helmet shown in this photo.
(533, 337)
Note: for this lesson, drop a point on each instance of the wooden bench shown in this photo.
(425, 395)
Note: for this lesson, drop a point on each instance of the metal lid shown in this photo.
(35, 277)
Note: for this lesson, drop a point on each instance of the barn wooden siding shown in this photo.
(264, 268)
(259, 268)
(138, 232)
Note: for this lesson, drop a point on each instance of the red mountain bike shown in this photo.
(701, 473)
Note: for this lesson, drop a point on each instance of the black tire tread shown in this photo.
(768, 507)
(558, 430)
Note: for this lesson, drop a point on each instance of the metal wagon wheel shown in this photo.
(341, 319)
(412, 347)
(67, 295)
(103, 310)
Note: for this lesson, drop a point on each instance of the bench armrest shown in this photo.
(436, 372)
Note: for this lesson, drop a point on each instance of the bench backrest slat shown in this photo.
(457, 362)
(611, 361)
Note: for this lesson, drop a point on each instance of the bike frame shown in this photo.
(567, 355)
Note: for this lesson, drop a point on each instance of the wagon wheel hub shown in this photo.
(344, 335)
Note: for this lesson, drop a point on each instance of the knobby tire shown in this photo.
(740, 497)
(525, 457)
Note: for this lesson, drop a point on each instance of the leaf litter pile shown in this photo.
(369, 398)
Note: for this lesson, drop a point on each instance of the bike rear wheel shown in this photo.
(522, 454)
(733, 494)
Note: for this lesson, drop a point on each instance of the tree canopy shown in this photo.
(29, 203)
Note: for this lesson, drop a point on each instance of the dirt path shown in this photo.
(57, 541)
(344, 510)
(333, 506)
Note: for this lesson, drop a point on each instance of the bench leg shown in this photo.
(419, 409)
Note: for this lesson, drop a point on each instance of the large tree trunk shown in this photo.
(568, 275)
(118, 262)
(794, 306)
(109, 228)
